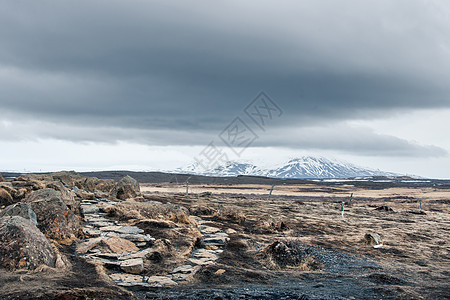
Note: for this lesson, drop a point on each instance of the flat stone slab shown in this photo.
(103, 224)
(123, 229)
(115, 256)
(106, 262)
(88, 245)
(200, 261)
(183, 269)
(91, 232)
(89, 209)
(204, 253)
(216, 235)
(132, 266)
(208, 230)
(139, 254)
(160, 281)
(186, 269)
(130, 230)
(110, 228)
(94, 218)
(137, 237)
(127, 278)
(119, 245)
(216, 240)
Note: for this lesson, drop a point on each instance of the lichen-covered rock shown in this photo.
(23, 246)
(20, 209)
(66, 195)
(127, 188)
(93, 184)
(54, 218)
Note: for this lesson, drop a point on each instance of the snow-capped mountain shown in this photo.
(320, 167)
(303, 167)
(228, 169)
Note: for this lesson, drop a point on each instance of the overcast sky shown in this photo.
(149, 84)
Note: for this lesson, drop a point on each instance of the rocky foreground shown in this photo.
(50, 222)
(67, 236)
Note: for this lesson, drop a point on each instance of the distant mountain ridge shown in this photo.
(299, 168)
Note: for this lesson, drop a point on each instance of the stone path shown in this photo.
(128, 246)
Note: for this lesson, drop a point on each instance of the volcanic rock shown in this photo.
(22, 245)
(20, 209)
(54, 218)
(126, 188)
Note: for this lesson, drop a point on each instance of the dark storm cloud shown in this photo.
(190, 67)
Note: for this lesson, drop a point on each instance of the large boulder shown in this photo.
(20, 209)
(54, 218)
(127, 188)
(23, 246)
(1, 178)
(66, 195)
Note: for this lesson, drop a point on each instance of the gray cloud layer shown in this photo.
(160, 68)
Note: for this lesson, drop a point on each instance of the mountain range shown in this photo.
(302, 167)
